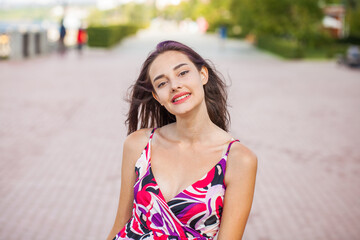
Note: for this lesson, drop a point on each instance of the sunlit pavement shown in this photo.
(62, 129)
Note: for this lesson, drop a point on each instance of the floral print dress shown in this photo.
(193, 214)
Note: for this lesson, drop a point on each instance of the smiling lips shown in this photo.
(181, 97)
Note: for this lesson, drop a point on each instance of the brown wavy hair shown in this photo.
(146, 112)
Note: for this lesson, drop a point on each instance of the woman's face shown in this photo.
(177, 83)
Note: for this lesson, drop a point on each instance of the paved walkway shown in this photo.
(62, 128)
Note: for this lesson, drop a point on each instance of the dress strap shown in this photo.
(148, 146)
(228, 149)
(152, 132)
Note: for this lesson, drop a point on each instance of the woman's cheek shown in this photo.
(163, 98)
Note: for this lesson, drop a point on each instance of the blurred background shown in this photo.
(293, 73)
(291, 29)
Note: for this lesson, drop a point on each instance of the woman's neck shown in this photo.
(194, 127)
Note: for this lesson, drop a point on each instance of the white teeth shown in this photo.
(183, 96)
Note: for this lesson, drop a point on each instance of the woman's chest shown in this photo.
(177, 169)
(196, 209)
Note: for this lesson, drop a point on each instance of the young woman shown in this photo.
(186, 180)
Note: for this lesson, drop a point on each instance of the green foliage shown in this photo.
(289, 26)
(290, 49)
(332, 1)
(137, 13)
(326, 51)
(244, 13)
(353, 18)
(286, 48)
(108, 36)
(292, 18)
(127, 13)
(182, 11)
(286, 27)
(216, 12)
(107, 28)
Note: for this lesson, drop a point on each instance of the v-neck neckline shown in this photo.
(182, 191)
(223, 158)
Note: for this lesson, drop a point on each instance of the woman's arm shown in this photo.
(240, 184)
(133, 146)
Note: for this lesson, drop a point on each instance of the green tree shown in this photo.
(133, 13)
(353, 18)
(296, 19)
(246, 13)
(216, 12)
(136, 13)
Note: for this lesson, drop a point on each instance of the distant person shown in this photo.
(182, 171)
(81, 38)
(222, 34)
(62, 31)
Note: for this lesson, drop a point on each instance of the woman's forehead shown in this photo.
(167, 61)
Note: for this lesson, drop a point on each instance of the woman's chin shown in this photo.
(183, 109)
(180, 111)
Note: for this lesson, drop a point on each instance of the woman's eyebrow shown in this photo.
(158, 77)
(179, 66)
(176, 67)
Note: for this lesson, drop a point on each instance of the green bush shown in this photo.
(108, 36)
(289, 48)
(286, 48)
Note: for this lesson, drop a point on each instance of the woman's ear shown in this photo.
(156, 98)
(204, 74)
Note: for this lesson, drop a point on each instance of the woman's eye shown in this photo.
(183, 73)
(161, 84)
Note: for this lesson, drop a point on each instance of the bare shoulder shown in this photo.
(240, 153)
(135, 143)
(139, 137)
(242, 160)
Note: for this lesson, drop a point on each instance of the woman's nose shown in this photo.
(175, 84)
